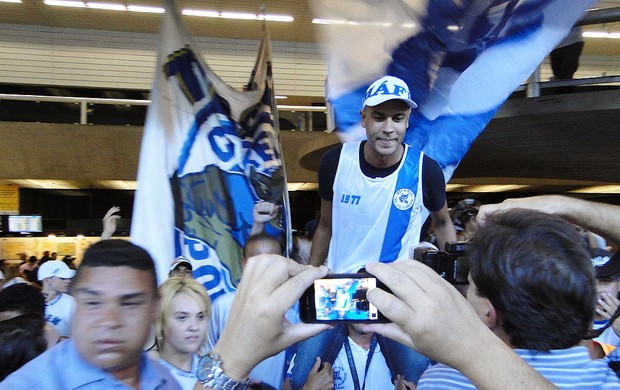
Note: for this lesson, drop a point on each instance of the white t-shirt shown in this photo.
(187, 380)
(59, 313)
(378, 376)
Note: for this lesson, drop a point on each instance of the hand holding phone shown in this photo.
(341, 298)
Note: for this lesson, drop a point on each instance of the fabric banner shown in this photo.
(461, 60)
(209, 152)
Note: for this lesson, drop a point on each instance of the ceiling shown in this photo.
(35, 12)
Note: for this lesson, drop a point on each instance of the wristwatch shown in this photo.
(211, 375)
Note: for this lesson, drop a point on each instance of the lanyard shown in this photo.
(347, 348)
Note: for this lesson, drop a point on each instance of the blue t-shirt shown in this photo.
(62, 368)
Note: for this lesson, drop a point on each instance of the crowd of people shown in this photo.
(540, 311)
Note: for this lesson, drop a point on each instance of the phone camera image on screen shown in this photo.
(344, 299)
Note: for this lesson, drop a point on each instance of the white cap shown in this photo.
(178, 261)
(388, 88)
(55, 268)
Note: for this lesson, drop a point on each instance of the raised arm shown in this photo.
(444, 228)
(600, 218)
(109, 222)
(263, 212)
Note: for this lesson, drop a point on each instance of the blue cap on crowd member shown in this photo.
(605, 263)
(388, 88)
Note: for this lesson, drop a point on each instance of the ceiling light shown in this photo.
(142, 8)
(600, 34)
(495, 188)
(276, 18)
(606, 189)
(107, 6)
(197, 12)
(65, 3)
(238, 15)
(320, 21)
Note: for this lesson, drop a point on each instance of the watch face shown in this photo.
(206, 367)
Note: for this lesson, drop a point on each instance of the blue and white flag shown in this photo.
(209, 152)
(461, 60)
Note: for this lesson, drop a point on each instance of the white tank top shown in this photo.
(375, 219)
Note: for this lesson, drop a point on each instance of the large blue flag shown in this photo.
(461, 60)
(209, 152)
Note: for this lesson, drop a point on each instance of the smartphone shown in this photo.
(341, 298)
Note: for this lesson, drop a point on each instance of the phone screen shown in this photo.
(340, 298)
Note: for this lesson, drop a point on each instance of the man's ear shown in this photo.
(363, 117)
(490, 315)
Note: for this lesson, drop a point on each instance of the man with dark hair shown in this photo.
(376, 194)
(532, 284)
(116, 302)
(23, 298)
(20, 299)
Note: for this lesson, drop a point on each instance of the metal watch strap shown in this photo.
(215, 378)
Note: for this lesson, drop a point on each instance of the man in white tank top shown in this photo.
(376, 195)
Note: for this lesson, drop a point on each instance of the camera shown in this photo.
(341, 298)
(451, 264)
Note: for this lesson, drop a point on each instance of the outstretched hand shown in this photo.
(109, 222)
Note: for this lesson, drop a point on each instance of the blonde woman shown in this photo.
(181, 328)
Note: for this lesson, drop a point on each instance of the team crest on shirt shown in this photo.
(403, 199)
(340, 377)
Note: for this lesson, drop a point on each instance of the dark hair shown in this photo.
(537, 274)
(21, 340)
(261, 237)
(117, 253)
(32, 259)
(22, 298)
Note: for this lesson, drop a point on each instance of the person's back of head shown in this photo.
(21, 340)
(20, 299)
(117, 253)
(538, 276)
(261, 243)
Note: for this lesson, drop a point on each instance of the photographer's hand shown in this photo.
(270, 285)
(433, 318)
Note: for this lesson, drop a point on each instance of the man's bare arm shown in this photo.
(444, 228)
(322, 235)
(600, 218)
